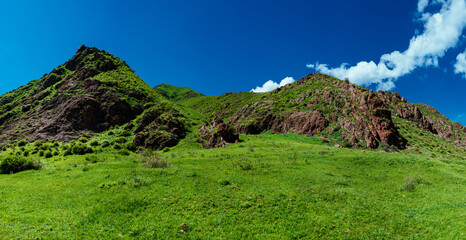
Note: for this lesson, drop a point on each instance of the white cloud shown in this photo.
(421, 5)
(442, 31)
(271, 85)
(460, 65)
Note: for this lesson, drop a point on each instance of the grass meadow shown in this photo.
(266, 187)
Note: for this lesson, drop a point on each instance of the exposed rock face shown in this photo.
(364, 117)
(217, 134)
(159, 127)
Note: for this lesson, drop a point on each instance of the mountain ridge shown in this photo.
(95, 91)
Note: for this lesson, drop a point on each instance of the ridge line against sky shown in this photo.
(216, 47)
(442, 31)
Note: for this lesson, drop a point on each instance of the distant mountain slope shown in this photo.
(176, 94)
(91, 92)
(351, 115)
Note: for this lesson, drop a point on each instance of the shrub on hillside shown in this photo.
(22, 143)
(81, 149)
(155, 160)
(48, 154)
(120, 140)
(94, 143)
(14, 164)
(130, 146)
(105, 144)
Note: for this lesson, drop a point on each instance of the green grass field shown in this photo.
(266, 187)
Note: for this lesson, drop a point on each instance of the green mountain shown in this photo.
(344, 113)
(95, 91)
(89, 94)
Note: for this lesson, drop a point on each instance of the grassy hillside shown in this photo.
(175, 93)
(267, 187)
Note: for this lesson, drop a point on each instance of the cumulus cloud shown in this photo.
(460, 65)
(442, 31)
(421, 5)
(271, 85)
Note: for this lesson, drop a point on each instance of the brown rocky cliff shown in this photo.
(364, 117)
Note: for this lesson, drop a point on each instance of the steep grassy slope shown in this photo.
(90, 93)
(345, 113)
(270, 186)
(176, 94)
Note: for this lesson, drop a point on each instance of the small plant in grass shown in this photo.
(411, 183)
(155, 160)
(117, 146)
(243, 164)
(224, 182)
(92, 158)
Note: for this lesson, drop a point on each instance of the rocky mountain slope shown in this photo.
(95, 91)
(90, 93)
(350, 115)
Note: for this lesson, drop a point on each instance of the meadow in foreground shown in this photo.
(266, 187)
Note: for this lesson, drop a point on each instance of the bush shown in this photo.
(39, 143)
(124, 152)
(224, 182)
(411, 183)
(105, 144)
(22, 143)
(125, 133)
(155, 160)
(94, 143)
(120, 140)
(48, 154)
(83, 139)
(81, 149)
(67, 152)
(131, 146)
(14, 164)
(116, 146)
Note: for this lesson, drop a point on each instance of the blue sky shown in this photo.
(231, 46)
